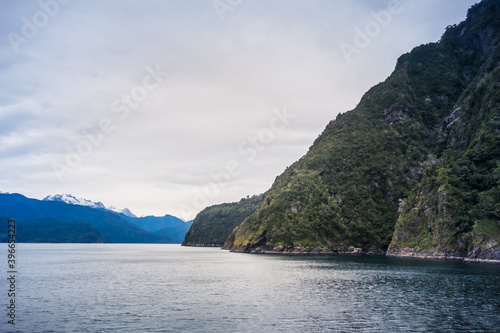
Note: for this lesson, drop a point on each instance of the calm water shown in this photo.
(168, 288)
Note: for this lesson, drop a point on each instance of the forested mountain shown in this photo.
(414, 168)
(214, 224)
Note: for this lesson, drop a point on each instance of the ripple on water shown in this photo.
(167, 288)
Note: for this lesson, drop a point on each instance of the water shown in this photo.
(168, 288)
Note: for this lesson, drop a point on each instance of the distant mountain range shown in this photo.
(67, 219)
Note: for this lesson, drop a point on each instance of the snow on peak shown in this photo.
(72, 200)
(124, 211)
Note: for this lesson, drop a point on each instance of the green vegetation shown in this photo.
(214, 224)
(417, 159)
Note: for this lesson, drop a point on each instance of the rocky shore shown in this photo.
(203, 245)
(269, 249)
(490, 255)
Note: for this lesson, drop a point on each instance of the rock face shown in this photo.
(396, 114)
(413, 170)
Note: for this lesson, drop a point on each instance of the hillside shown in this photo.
(414, 167)
(214, 224)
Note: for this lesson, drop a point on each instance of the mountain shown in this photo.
(170, 226)
(70, 199)
(414, 169)
(213, 225)
(173, 228)
(109, 225)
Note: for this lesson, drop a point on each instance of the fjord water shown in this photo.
(168, 288)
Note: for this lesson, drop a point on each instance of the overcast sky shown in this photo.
(166, 107)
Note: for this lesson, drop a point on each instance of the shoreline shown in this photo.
(490, 256)
(202, 245)
(269, 249)
(406, 253)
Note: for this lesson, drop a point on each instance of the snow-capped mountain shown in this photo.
(70, 199)
(124, 211)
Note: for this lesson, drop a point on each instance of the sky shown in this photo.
(167, 107)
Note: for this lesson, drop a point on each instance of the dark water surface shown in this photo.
(169, 288)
